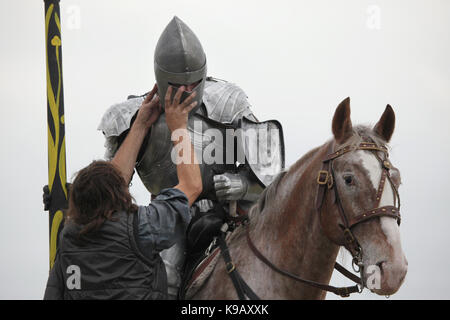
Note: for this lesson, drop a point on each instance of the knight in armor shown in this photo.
(230, 183)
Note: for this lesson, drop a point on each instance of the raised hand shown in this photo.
(150, 109)
(176, 112)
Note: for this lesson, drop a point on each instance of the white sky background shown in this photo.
(296, 60)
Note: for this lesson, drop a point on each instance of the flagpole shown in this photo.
(55, 128)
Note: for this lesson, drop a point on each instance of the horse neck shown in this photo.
(289, 228)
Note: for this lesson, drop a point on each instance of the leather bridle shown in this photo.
(326, 181)
(326, 178)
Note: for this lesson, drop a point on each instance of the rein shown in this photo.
(341, 291)
(325, 180)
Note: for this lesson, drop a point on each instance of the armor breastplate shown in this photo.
(156, 168)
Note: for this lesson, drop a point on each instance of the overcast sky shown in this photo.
(296, 60)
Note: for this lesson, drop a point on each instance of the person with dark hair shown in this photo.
(109, 247)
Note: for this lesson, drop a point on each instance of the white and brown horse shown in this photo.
(324, 201)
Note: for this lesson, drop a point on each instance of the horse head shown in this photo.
(364, 205)
(341, 194)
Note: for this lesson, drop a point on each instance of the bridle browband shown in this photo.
(325, 180)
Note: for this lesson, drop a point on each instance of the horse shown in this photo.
(322, 203)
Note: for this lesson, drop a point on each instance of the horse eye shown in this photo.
(348, 178)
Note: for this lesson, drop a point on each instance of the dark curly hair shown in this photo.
(97, 192)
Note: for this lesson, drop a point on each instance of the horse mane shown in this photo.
(269, 193)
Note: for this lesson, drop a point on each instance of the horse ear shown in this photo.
(385, 126)
(342, 124)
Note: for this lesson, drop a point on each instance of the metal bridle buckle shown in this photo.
(320, 175)
(344, 294)
(230, 267)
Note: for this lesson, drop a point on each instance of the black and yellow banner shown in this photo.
(55, 120)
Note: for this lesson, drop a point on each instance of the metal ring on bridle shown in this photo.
(356, 265)
(357, 260)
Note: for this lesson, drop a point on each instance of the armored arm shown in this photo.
(116, 123)
(237, 186)
(241, 185)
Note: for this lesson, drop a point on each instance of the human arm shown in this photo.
(188, 170)
(164, 220)
(125, 157)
